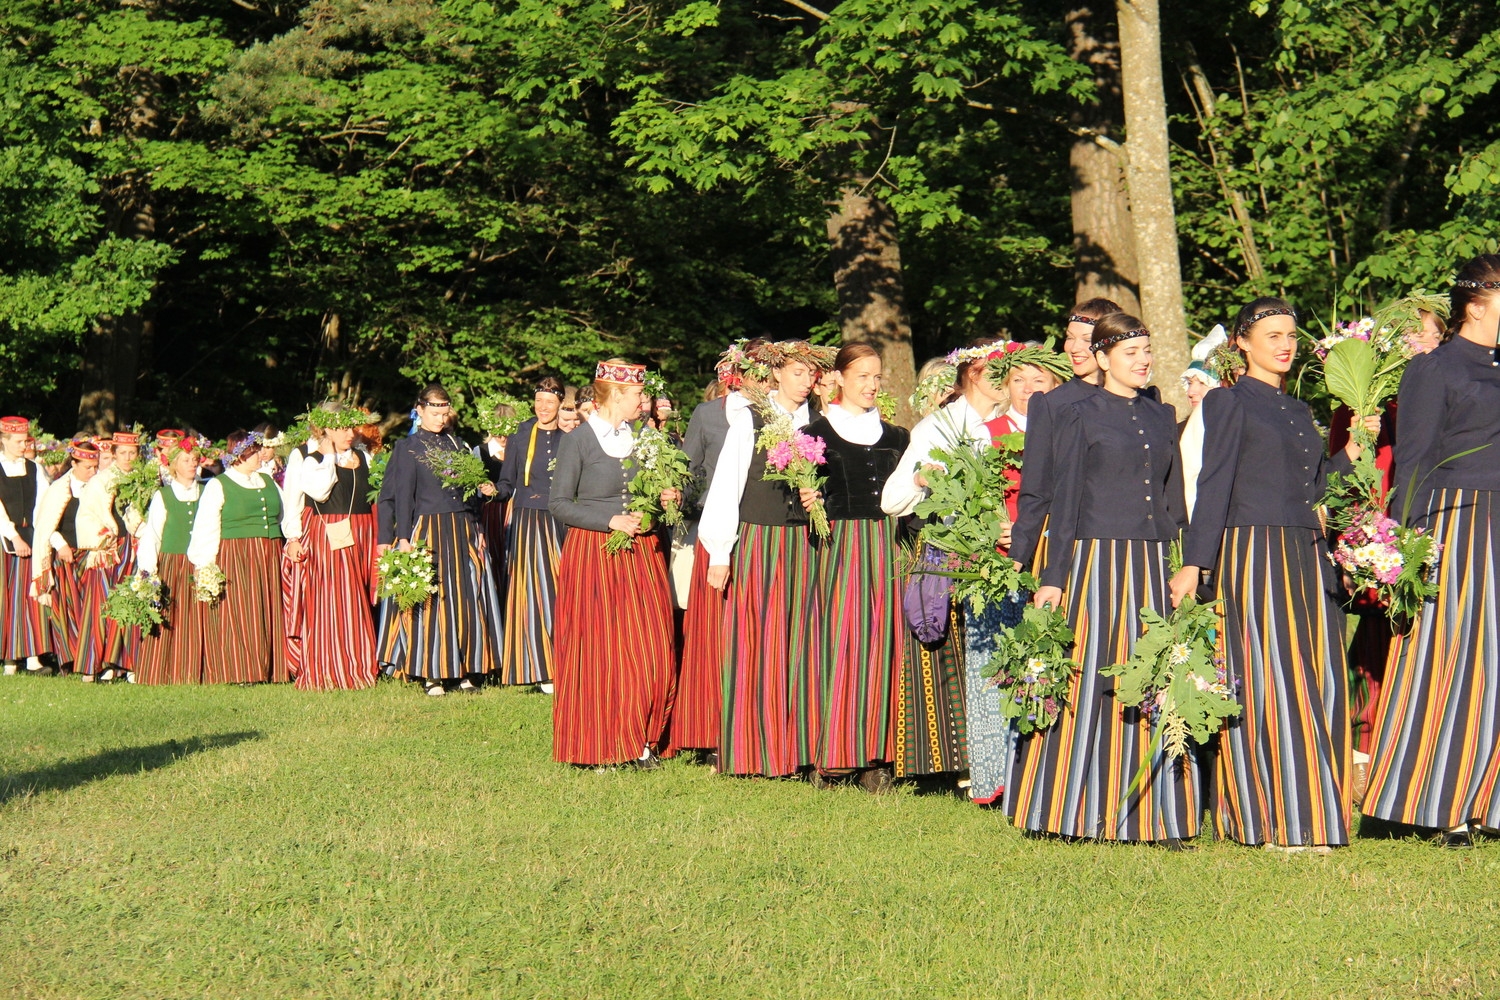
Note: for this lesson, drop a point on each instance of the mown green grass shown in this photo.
(262, 842)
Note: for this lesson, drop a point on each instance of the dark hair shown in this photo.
(550, 384)
(586, 395)
(850, 353)
(1094, 309)
(266, 429)
(1115, 328)
(1254, 312)
(1468, 287)
(433, 393)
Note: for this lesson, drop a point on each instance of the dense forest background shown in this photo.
(217, 210)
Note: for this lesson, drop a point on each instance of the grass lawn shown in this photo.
(261, 842)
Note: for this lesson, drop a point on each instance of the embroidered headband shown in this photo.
(125, 439)
(15, 425)
(83, 450)
(1255, 318)
(620, 374)
(1467, 283)
(1115, 338)
(1085, 320)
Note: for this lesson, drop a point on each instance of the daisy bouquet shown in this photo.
(457, 469)
(406, 577)
(208, 583)
(659, 466)
(137, 601)
(1032, 668)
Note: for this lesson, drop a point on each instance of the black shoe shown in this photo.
(877, 780)
(650, 762)
(1455, 840)
(711, 761)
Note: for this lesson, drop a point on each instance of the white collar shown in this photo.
(801, 416)
(76, 485)
(188, 492)
(863, 428)
(1018, 418)
(616, 441)
(249, 480)
(13, 466)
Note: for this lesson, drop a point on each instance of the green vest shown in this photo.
(179, 525)
(250, 513)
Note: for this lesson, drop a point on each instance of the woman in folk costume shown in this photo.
(237, 532)
(494, 509)
(57, 562)
(1024, 372)
(613, 633)
(855, 587)
(331, 550)
(754, 536)
(931, 737)
(534, 542)
(695, 718)
(107, 527)
(453, 638)
(1199, 378)
(23, 635)
(175, 651)
(1028, 538)
(1283, 763)
(1116, 507)
(1436, 762)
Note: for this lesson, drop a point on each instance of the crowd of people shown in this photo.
(772, 634)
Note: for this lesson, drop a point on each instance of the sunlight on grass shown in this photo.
(264, 842)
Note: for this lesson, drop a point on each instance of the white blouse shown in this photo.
(944, 429)
(616, 441)
(856, 428)
(149, 545)
(719, 528)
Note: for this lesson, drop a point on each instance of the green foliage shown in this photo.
(134, 489)
(1032, 668)
(457, 469)
(138, 601)
(659, 466)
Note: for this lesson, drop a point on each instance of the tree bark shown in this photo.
(1150, 178)
(866, 258)
(1103, 235)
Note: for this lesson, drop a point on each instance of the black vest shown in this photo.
(857, 472)
(349, 493)
(18, 494)
(68, 526)
(773, 503)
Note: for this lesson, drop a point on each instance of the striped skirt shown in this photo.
(769, 684)
(1437, 749)
(103, 640)
(535, 544)
(23, 633)
(1283, 763)
(63, 617)
(1072, 778)
(326, 601)
(696, 714)
(494, 517)
(991, 736)
(614, 639)
(930, 723)
(174, 652)
(246, 636)
(859, 647)
(457, 631)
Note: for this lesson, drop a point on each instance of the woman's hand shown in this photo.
(294, 550)
(1048, 595)
(1371, 426)
(671, 497)
(403, 545)
(809, 498)
(1183, 583)
(66, 554)
(488, 490)
(718, 577)
(22, 549)
(628, 523)
(1005, 538)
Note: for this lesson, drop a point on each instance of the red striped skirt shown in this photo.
(613, 639)
(246, 641)
(172, 653)
(22, 631)
(103, 640)
(695, 715)
(64, 617)
(326, 601)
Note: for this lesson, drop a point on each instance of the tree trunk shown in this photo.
(1150, 179)
(1103, 237)
(867, 275)
(112, 349)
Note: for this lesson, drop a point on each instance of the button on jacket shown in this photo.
(1449, 404)
(1116, 474)
(1263, 464)
(856, 473)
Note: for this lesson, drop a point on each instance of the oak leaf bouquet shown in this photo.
(659, 466)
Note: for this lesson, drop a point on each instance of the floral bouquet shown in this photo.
(660, 465)
(793, 457)
(1032, 669)
(137, 601)
(494, 424)
(407, 577)
(208, 583)
(1393, 561)
(457, 469)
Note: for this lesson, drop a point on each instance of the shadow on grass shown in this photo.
(124, 760)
